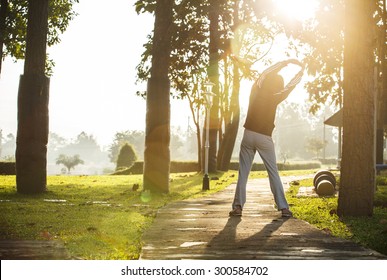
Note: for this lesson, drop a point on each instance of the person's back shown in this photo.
(263, 104)
(267, 92)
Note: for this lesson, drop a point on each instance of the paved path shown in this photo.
(201, 229)
(32, 250)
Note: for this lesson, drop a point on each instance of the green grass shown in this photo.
(97, 217)
(100, 217)
(321, 212)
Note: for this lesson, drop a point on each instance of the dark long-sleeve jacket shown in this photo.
(264, 99)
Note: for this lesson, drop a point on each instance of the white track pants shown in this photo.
(251, 143)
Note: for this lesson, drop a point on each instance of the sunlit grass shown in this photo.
(322, 213)
(97, 217)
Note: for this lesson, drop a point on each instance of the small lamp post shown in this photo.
(209, 95)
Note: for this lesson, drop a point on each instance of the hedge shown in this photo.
(192, 166)
(7, 168)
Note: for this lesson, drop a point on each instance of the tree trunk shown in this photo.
(384, 71)
(357, 184)
(157, 134)
(32, 130)
(231, 129)
(232, 121)
(199, 145)
(213, 75)
(381, 89)
(3, 16)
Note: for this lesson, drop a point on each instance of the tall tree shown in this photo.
(357, 182)
(213, 76)
(157, 134)
(32, 130)
(382, 72)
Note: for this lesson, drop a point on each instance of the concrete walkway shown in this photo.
(201, 229)
(32, 250)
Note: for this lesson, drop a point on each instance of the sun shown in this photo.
(297, 9)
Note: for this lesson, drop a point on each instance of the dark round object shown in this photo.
(327, 176)
(325, 188)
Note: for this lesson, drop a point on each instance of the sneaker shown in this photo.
(286, 213)
(236, 212)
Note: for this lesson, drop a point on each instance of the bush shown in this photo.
(281, 166)
(126, 157)
(176, 167)
(7, 168)
(192, 166)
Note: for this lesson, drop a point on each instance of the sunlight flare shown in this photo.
(297, 9)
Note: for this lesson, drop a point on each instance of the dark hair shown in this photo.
(273, 83)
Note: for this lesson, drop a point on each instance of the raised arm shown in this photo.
(276, 68)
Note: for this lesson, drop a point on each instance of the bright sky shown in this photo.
(93, 86)
(298, 9)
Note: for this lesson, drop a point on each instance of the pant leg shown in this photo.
(246, 158)
(265, 147)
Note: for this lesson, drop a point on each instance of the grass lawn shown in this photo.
(371, 232)
(97, 217)
(101, 217)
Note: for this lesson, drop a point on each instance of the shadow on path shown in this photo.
(201, 229)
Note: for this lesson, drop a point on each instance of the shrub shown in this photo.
(7, 168)
(126, 157)
(176, 167)
(192, 166)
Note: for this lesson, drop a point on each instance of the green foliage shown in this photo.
(190, 44)
(60, 14)
(371, 231)
(324, 39)
(126, 157)
(69, 161)
(143, 6)
(381, 195)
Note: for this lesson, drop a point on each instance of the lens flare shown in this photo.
(297, 9)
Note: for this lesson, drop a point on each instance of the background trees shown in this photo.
(219, 41)
(135, 138)
(69, 161)
(323, 42)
